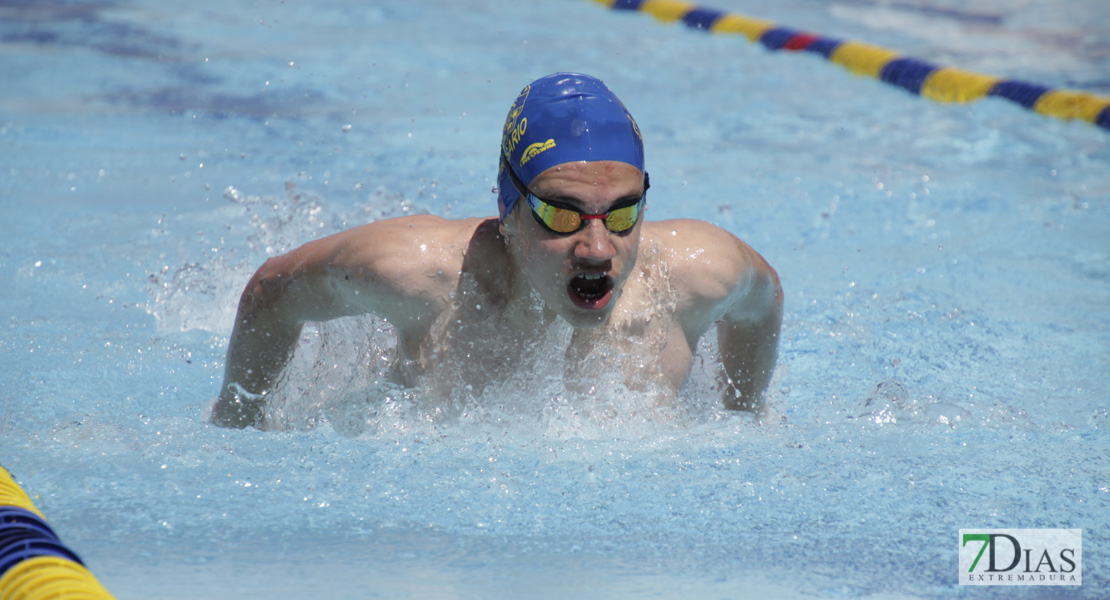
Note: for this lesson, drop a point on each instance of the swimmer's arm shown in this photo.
(261, 345)
(725, 281)
(363, 270)
(748, 333)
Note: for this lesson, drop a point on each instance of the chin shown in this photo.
(580, 321)
(586, 318)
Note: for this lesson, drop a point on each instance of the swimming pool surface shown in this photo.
(945, 357)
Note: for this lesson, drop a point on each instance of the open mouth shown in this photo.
(590, 290)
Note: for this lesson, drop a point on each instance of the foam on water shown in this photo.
(944, 346)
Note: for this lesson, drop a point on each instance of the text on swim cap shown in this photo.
(531, 151)
(513, 135)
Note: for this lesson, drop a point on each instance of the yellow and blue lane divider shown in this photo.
(34, 564)
(936, 82)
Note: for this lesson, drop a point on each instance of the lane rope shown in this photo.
(34, 564)
(936, 82)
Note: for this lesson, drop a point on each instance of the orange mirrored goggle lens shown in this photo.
(565, 220)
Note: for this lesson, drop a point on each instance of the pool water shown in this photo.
(946, 342)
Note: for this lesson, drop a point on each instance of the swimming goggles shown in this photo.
(562, 218)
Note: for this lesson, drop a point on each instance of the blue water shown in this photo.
(944, 361)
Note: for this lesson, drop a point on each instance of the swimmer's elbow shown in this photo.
(759, 299)
(305, 285)
(774, 291)
(271, 291)
(770, 303)
(264, 287)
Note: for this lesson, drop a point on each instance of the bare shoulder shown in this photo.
(714, 271)
(413, 258)
(702, 257)
(402, 269)
(415, 244)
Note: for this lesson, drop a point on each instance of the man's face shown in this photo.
(580, 275)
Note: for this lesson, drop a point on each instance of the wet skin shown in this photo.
(559, 267)
(476, 296)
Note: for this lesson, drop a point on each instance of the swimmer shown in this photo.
(479, 297)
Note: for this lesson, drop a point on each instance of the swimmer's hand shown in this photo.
(238, 408)
(734, 397)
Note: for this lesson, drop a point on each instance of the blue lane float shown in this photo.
(936, 82)
(34, 563)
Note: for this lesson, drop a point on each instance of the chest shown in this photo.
(475, 344)
(642, 345)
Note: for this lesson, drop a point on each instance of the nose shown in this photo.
(594, 243)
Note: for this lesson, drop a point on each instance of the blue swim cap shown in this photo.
(564, 117)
